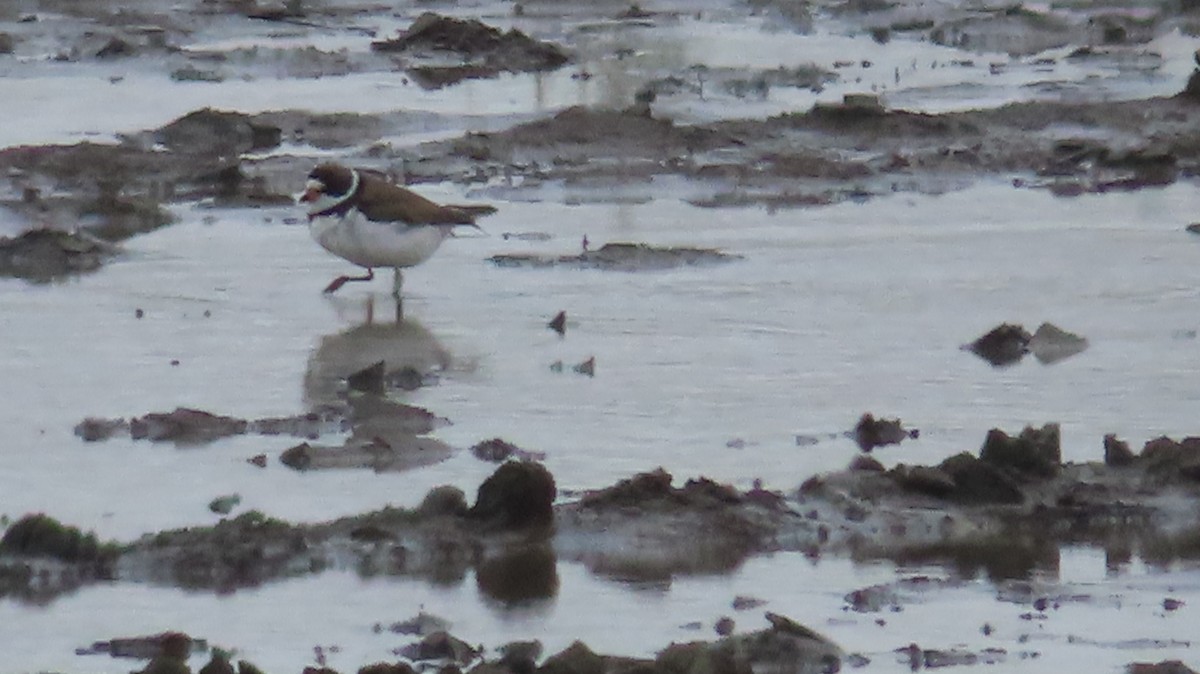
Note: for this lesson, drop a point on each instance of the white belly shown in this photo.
(376, 244)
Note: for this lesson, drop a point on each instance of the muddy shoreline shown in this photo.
(815, 158)
(1005, 512)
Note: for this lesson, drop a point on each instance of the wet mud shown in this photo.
(1004, 512)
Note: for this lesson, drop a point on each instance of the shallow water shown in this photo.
(710, 371)
(832, 312)
(615, 59)
(1099, 623)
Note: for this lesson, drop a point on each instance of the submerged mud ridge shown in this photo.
(1006, 509)
(1004, 512)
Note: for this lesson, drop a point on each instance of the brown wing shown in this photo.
(382, 201)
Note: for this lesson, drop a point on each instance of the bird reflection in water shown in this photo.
(524, 578)
(385, 435)
(404, 345)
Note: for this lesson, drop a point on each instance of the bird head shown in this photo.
(328, 186)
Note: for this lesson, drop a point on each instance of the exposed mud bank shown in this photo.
(819, 157)
(1006, 510)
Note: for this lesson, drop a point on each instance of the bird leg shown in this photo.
(397, 283)
(343, 280)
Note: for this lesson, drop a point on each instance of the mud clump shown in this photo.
(870, 432)
(208, 131)
(620, 257)
(1003, 345)
(1008, 343)
(786, 646)
(1035, 453)
(185, 426)
(44, 255)
(483, 50)
(1169, 461)
(518, 495)
(43, 536)
(172, 645)
(497, 450)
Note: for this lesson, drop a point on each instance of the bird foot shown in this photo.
(340, 281)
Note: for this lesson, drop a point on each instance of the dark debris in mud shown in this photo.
(44, 255)
(477, 50)
(871, 432)
(1008, 343)
(185, 426)
(620, 257)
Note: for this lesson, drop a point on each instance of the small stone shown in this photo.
(724, 626)
(559, 323)
(223, 505)
(1116, 452)
(587, 367)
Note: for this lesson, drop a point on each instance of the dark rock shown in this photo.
(1035, 453)
(870, 432)
(116, 48)
(925, 480)
(742, 603)
(43, 255)
(497, 450)
(1163, 667)
(520, 657)
(485, 51)
(1191, 90)
(559, 323)
(620, 257)
(444, 500)
(1003, 345)
(217, 132)
(587, 367)
(872, 599)
(172, 646)
(632, 491)
(369, 379)
(387, 668)
(385, 452)
(223, 505)
(7, 44)
(517, 495)
(724, 626)
(243, 551)
(1168, 461)
(441, 646)
(494, 450)
(1116, 452)
(1172, 604)
(93, 429)
(574, 659)
(39, 535)
(185, 426)
(247, 667)
(218, 663)
(423, 624)
(786, 648)
(979, 482)
(298, 457)
(866, 463)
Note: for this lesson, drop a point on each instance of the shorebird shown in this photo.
(362, 218)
